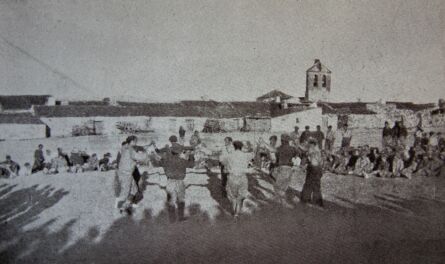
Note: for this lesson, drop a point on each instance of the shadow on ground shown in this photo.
(396, 230)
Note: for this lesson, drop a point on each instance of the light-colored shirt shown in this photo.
(330, 135)
(129, 157)
(238, 162)
(346, 133)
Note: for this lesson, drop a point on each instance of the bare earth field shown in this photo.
(69, 218)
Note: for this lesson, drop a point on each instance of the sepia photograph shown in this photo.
(218, 131)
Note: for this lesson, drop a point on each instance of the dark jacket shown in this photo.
(387, 132)
(174, 166)
(285, 154)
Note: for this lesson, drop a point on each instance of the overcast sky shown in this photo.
(224, 50)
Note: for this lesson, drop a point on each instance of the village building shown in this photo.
(273, 112)
(23, 103)
(318, 83)
(21, 126)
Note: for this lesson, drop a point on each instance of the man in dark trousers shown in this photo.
(175, 164)
(386, 136)
(311, 192)
(305, 135)
(319, 136)
(226, 151)
(283, 173)
(39, 160)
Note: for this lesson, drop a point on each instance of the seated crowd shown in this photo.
(52, 163)
(425, 158)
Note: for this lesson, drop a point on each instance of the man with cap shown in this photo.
(175, 165)
(312, 186)
(283, 172)
(39, 159)
(305, 135)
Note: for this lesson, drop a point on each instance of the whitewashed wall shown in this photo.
(286, 123)
(62, 126)
(22, 131)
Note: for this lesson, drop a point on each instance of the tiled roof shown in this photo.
(19, 118)
(22, 102)
(274, 94)
(277, 110)
(87, 103)
(411, 106)
(318, 67)
(182, 109)
(355, 108)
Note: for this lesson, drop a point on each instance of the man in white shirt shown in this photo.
(237, 164)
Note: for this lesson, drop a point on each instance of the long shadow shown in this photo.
(364, 234)
(19, 208)
(214, 185)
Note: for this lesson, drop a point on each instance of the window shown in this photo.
(323, 83)
(315, 80)
(297, 120)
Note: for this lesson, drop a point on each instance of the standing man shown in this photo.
(403, 134)
(346, 137)
(295, 136)
(175, 165)
(319, 136)
(237, 183)
(386, 136)
(181, 135)
(305, 135)
(330, 139)
(39, 159)
(311, 192)
(124, 175)
(226, 151)
(283, 172)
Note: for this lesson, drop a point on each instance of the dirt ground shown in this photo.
(69, 218)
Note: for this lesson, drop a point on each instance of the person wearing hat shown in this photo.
(283, 172)
(39, 159)
(175, 165)
(311, 192)
(305, 135)
(125, 186)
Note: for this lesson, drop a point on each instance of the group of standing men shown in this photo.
(236, 162)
